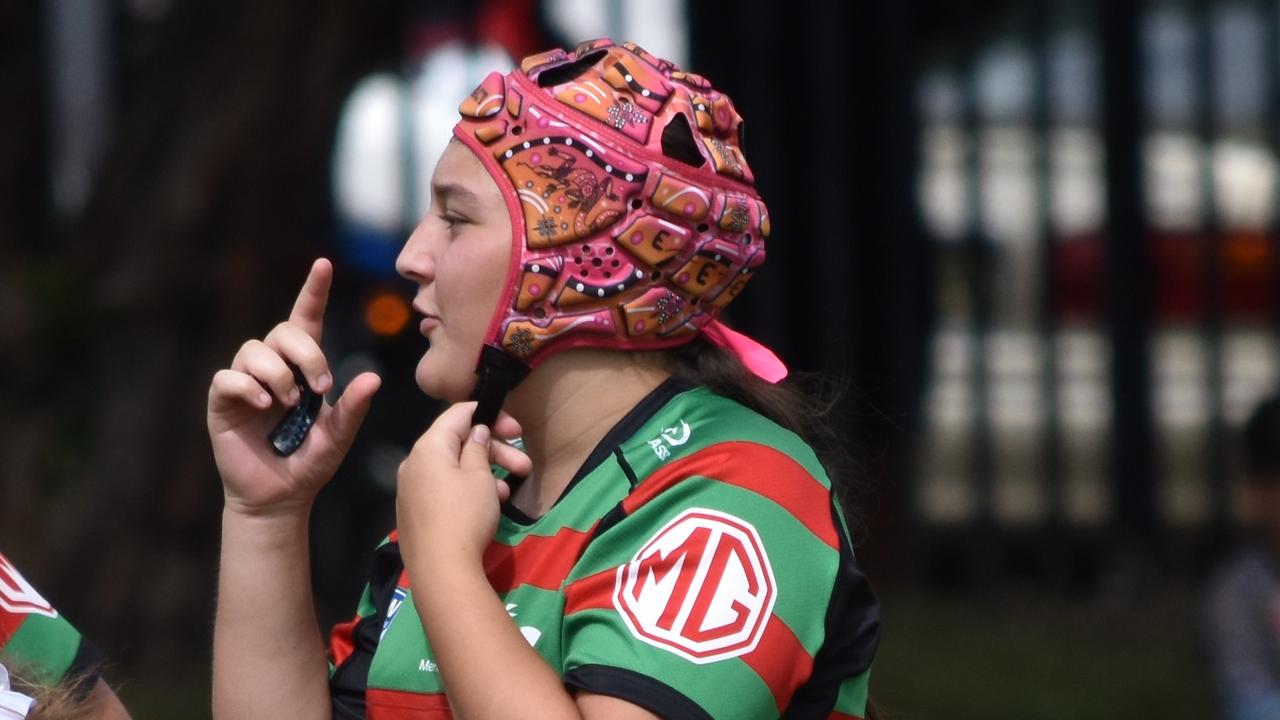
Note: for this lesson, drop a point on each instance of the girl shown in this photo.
(658, 544)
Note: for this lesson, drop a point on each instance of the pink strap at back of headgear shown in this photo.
(757, 358)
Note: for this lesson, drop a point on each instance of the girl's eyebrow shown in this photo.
(454, 195)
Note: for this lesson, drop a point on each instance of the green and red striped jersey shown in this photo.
(35, 640)
(697, 565)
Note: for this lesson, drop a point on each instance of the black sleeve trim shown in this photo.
(650, 694)
(85, 669)
(88, 660)
(851, 638)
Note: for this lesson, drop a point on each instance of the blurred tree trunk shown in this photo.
(213, 198)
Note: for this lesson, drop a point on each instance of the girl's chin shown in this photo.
(447, 382)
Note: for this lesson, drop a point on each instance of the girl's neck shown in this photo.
(566, 407)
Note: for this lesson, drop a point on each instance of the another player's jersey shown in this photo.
(696, 566)
(35, 640)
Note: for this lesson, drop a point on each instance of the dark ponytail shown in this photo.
(805, 404)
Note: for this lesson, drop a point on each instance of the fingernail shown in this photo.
(294, 396)
(264, 399)
(323, 382)
(480, 434)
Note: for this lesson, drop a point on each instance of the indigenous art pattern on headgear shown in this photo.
(618, 242)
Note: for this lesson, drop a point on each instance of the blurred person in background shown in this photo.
(1243, 613)
(48, 671)
(660, 539)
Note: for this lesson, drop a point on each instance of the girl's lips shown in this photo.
(428, 324)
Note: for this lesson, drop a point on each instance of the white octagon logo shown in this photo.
(701, 588)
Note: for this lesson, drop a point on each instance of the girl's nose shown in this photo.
(414, 261)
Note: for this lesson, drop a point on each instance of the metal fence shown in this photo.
(1099, 185)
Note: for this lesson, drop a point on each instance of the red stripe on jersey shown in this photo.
(593, 592)
(400, 705)
(342, 641)
(758, 468)
(842, 716)
(780, 660)
(9, 624)
(539, 561)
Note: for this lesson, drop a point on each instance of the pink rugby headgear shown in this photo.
(634, 214)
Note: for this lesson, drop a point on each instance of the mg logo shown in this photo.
(701, 588)
(18, 597)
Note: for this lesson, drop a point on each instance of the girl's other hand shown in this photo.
(447, 501)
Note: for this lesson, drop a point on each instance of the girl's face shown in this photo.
(458, 256)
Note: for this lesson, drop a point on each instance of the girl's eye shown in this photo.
(452, 222)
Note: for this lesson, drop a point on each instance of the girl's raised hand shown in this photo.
(247, 399)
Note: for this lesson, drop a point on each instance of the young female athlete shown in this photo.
(658, 545)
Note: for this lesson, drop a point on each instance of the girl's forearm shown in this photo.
(268, 654)
(488, 668)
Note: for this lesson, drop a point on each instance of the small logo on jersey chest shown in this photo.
(18, 597)
(393, 607)
(702, 587)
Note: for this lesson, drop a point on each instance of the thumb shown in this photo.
(475, 451)
(350, 410)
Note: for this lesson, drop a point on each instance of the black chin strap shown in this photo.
(499, 373)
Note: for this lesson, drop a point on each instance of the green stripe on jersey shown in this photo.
(44, 647)
(538, 613)
(853, 695)
(404, 660)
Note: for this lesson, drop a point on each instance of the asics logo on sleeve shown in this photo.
(669, 438)
(701, 587)
(18, 597)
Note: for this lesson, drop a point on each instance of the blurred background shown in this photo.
(1037, 241)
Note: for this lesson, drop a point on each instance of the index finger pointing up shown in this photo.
(308, 309)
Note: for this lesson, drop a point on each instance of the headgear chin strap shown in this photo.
(634, 214)
(499, 373)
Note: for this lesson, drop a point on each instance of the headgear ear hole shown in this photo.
(678, 142)
(570, 70)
